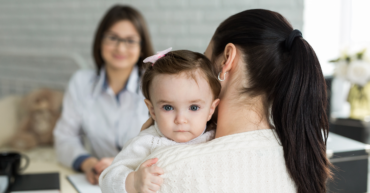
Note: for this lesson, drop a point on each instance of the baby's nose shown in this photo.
(180, 119)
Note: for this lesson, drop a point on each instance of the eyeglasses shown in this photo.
(112, 40)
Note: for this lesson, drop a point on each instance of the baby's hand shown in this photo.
(146, 178)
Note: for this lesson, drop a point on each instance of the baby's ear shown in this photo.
(213, 108)
(150, 108)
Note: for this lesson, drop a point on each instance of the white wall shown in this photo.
(52, 28)
(334, 26)
(322, 29)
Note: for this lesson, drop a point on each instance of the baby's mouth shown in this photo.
(180, 131)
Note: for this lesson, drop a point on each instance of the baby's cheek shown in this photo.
(165, 125)
(201, 122)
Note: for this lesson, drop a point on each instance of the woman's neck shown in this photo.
(241, 115)
(117, 78)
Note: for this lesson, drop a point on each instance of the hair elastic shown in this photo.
(289, 41)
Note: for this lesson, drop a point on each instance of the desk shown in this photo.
(43, 160)
(45, 167)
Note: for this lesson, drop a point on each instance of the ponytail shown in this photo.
(298, 112)
(287, 71)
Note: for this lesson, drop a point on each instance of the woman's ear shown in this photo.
(150, 108)
(228, 59)
(213, 108)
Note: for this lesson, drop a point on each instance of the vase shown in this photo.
(359, 99)
(339, 106)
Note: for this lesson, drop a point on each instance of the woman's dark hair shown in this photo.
(115, 14)
(182, 61)
(293, 83)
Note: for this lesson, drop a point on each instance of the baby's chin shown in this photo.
(182, 139)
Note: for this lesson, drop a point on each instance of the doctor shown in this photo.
(105, 106)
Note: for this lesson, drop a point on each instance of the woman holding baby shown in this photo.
(271, 126)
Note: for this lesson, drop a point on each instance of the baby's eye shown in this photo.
(167, 107)
(194, 107)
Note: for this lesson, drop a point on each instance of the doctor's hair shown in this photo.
(116, 14)
(291, 80)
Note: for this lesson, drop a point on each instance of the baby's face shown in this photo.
(180, 105)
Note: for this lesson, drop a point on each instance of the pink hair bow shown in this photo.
(155, 57)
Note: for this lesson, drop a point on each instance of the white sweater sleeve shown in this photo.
(113, 178)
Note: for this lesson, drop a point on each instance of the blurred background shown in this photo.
(43, 42)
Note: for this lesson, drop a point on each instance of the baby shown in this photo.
(181, 94)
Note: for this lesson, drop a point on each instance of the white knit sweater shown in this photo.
(250, 162)
(135, 152)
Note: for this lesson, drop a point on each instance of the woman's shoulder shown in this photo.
(83, 77)
(246, 162)
(82, 82)
(259, 139)
(262, 136)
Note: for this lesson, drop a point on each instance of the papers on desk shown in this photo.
(81, 184)
(3, 183)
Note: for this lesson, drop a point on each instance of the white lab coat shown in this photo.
(107, 121)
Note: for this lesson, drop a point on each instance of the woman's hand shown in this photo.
(147, 124)
(87, 167)
(92, 168)
(147, 178)
(102, 164)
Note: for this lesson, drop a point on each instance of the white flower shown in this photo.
(358, 72)
(344, 53)
(340, 70)
(367, 55)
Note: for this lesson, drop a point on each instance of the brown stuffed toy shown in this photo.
(39, 112)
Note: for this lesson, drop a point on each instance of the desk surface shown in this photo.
(43, 160)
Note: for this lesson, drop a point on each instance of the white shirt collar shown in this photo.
(133, 82)
(132, 85)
